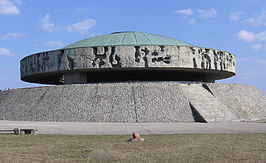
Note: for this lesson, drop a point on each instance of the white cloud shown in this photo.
(261, 61)
(18, 2)
(250, 36)
(258, 39)
(201, 13)
(261, 36)
(4, 80)
(8, 8)
(192, 21)
(209, 13)
(14, 35)
(82, 9)
(46, 24)
(257, 72)
(82, 26)
(236, 15)
(5, 52)
(256, 21)
(253, 61)
(54, 43)
(245, 36)
(256, 46)
(252, 1)
(184, 11)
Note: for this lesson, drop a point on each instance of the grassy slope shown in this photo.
(156, 148)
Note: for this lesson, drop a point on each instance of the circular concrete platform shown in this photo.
(127, 56)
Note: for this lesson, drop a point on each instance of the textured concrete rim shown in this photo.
(189, 63)
(125, 45)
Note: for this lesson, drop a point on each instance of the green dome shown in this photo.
(127, 38)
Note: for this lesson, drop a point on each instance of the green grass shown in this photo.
(156, 148)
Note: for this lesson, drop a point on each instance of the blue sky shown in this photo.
(237, 26)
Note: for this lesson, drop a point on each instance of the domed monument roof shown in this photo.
(127, 56)
(127, 38)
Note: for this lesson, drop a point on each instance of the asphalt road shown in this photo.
(85, 128)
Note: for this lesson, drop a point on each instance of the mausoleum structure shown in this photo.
(131, 77)
(127, 56)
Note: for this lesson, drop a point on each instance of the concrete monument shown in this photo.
(132, 77)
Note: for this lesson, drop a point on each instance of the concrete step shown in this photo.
(206, 104)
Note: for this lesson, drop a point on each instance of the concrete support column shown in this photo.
(75, 78)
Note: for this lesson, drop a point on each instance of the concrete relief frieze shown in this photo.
(142, 56)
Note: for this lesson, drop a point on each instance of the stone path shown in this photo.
(83, 128)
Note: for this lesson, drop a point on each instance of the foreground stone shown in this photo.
(136, 137)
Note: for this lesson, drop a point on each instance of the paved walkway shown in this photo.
(85, 128)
